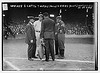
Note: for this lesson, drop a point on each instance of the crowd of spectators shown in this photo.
(70, 29)
(18, 29)
(79, 29)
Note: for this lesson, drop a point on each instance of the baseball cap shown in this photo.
(40, 15)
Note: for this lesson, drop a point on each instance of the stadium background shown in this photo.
(80, 47)
(78, 17)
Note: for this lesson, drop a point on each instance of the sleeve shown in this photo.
(63, 25)
(42, 30)
(55, 27)
(34, 24)
(33, 33)
(28, 32)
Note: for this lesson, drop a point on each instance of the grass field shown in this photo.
(79, 55)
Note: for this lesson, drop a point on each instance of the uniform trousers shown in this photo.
(49, 48)
(61, 41)
(38, 42)
(56, 44)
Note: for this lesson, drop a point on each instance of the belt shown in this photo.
(37, 31)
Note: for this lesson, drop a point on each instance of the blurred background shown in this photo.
(78, 17)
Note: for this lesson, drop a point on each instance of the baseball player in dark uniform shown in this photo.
(60, 32)
(47, 35)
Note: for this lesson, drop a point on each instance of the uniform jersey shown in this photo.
(37, 25)
(60, 27)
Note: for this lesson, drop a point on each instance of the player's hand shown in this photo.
(60, 31)
(31, 41)
(56, 33)
(41, 40)
(57, 24)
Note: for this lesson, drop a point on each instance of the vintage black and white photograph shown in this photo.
(49, 36)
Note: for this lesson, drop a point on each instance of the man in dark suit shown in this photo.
(47, 35)
(30, 39)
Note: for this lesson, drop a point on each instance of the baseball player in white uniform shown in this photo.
(37, 26)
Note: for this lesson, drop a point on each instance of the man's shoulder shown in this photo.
(36, 21)
(44, 20)
(28, 25)
(48, 19)
(61, 21)
(51, 20)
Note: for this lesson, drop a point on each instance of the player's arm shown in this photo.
(42, 30)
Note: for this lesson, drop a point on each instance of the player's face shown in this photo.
(40, 18)
(57, 20)
(32, 20)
